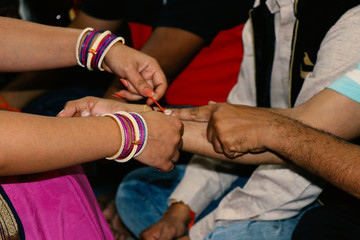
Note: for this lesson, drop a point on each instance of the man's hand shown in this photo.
(232, 129)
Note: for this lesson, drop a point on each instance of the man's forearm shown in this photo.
(320, 153)
(195, 141)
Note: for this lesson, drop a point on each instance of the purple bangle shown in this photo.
(86, 45)
(86, 50)
(93, 60)
(103, 44)
(127, 148)
(141, 130)
(126, 130)
(128, 151)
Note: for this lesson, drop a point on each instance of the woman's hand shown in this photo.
(93, 106)
(140, 73)
(164, 141)
(164, 132)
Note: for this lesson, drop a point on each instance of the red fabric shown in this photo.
(210, 75)
(139, 34)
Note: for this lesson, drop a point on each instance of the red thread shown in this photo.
(5, 105)
(162, 109)
(192, 220)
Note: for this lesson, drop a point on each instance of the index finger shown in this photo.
(199, 114)
(139, 83)
(73, 108)
(158, 80)
(160, 85)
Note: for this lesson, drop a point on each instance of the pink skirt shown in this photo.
(57, 205)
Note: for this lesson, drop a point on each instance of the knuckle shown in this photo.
(194, 111)
(169, 166)
(179, 125)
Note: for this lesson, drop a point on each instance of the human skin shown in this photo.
(33, 143)
(173, 48)
(223, 131)
(328, 111)
(256, 136)
(38, 52)
(238, 131)
(172, 225)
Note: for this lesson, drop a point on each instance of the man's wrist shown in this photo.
(184, 211)
(281, 129)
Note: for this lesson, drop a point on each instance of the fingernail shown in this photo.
(168, 112)
(85, 114)
(118, 95)
(124, 82)
(60, 113)
(149, 92)
(211, 102)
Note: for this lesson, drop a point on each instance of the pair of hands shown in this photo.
(141, 74)
(233, 130)
(164, 132)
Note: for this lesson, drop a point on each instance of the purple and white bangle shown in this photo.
(91, 52)
(122, 133)
(143, 132)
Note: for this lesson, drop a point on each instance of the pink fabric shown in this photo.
(57, 205)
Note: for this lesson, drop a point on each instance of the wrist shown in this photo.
(278, 130)
(183, 212)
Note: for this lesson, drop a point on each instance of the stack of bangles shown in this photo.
(134, 135)
(92, 46)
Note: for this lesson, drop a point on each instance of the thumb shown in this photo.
(67, 112)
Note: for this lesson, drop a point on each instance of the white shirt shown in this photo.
(273, 191)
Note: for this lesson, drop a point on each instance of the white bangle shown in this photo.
(118, 39)
(77, 47)
(137, 136)
(122, 132)
(93, 48)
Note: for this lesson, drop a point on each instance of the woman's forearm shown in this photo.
(31, 143)
(31, 46)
